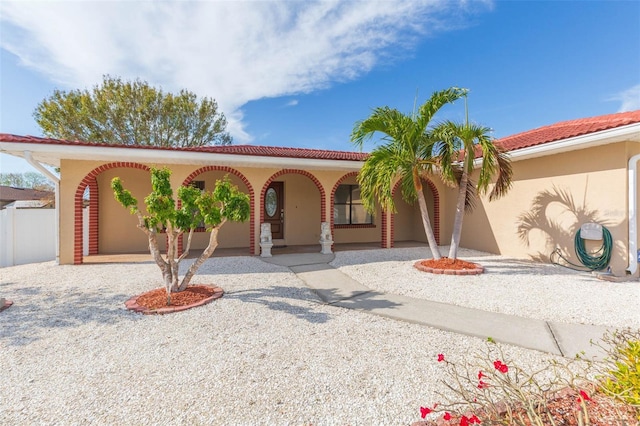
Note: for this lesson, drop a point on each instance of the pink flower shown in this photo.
(464, 421)
(583, 397)
(482, 385)
(474, 419)
(480, 375)
(424, 411)
(500, 366)
(440, 357)
(447, 416)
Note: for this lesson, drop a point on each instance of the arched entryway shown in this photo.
(355, 226)
(110, 224)
(302, 209)
(406, 223)
(232, 235)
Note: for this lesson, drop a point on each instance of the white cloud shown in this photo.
(629, 99)
(292, 102)
(233, 51)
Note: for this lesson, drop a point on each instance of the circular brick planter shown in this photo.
(132, 304)
(471, 271)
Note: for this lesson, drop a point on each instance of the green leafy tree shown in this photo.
(30, 180)
(132, 113)
(463, 140)
(407, 155)
(214, 209)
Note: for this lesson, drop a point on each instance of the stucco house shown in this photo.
(564, 174)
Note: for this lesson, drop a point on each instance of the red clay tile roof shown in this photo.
(539, 136)
(568, 129)
(255, 150)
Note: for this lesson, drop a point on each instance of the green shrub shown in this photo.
(622, 377)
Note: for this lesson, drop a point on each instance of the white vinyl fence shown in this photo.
(27, 236)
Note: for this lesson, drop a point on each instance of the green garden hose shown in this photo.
(594, 261)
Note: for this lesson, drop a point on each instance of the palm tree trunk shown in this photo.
(424, 213)
(457, 224)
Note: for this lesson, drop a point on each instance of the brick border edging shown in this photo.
(476, 271)
(7, 303)
(132, 304)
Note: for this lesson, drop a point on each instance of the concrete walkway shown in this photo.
(337, 289)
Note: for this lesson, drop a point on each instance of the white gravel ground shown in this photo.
(267, 353)
(516, 287)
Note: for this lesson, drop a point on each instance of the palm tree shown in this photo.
(455, 140)
(406, 155)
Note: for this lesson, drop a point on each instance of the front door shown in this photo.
(274, 209)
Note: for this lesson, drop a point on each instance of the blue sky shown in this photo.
(302, 73)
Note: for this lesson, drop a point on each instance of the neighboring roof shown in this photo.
(28, 204)
(568, 129)
(10, 193)
(253, 150)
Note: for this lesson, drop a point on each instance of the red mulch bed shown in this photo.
(448, 266)
(563, 409)
(155, 301)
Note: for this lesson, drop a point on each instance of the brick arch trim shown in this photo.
(90, 180)
(244, 180)
(436, 211)
(323, 204)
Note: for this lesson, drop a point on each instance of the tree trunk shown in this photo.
(457, 224)
(424, 213)
(213, 243)
(185, 253)
(155, 251)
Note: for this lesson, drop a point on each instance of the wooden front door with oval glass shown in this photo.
(274, 209)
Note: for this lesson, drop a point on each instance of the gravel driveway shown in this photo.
(268, 352)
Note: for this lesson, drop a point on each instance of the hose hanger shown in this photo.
(591, 260)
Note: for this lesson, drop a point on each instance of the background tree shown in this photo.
(213, 209)
(31, 180)
(407, 155)
(132, 113)
(455, 140)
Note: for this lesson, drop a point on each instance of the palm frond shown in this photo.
(505, 177)
(378, 173)
(436, 101)
(388, 121)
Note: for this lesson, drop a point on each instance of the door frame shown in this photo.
(277, 219)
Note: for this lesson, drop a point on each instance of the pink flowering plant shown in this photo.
(493, 389)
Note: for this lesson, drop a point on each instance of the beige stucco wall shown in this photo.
(595, 179)
(117, 228)
(301, 210)
(232, 234)
(408, 220)
(574, 187)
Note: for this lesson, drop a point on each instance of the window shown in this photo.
(348, 208)
(198, 184)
